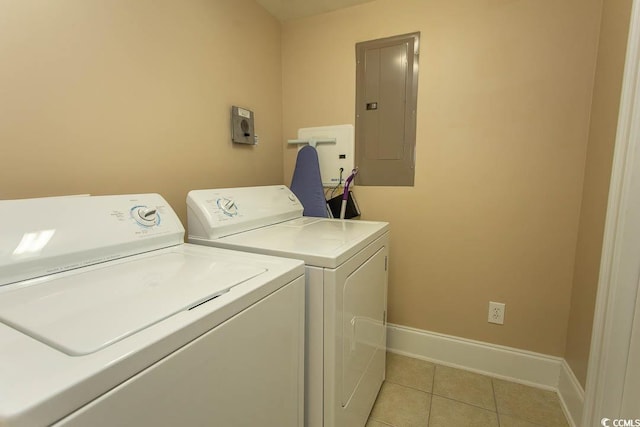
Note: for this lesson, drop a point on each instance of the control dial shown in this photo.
(227, 206)
(145, 216)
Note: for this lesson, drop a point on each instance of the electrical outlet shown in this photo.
(496, 312)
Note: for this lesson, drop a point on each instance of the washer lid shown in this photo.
(84, 311)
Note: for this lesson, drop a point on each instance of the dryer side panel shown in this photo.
(355, 334)
(363, 317)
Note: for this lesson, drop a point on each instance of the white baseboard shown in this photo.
(571, 394)
(521, 366)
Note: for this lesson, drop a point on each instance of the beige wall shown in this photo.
(503, 108)
(604, 116)
(124, 96)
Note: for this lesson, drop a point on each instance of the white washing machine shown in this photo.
(108, 319)
(346, 278)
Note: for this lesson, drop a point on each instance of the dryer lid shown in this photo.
(320, 242)
(84, 311)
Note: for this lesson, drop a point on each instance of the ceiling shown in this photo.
(286, 10)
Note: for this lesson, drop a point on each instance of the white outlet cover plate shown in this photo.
(496, 313)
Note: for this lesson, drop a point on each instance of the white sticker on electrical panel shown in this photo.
(244, 113)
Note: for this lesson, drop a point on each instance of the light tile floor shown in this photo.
(418, 393)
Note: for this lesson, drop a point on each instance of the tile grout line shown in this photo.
(408, 386)
(433, 384)
(475, 405)
(513, 415)
(382, 422)
(495, 401)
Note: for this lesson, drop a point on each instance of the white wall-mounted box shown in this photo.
(335, 146)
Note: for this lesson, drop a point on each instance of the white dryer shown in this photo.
(346, 277)
(108, 319)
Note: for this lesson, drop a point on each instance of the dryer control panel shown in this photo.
(216, 213)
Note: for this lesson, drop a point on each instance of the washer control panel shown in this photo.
(77, 231)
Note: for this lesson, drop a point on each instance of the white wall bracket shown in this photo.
(313, 141)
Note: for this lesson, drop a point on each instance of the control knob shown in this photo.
(145, 216)
(227, 206)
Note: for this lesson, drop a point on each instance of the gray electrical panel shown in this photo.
(242, 128)
(386, 102)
